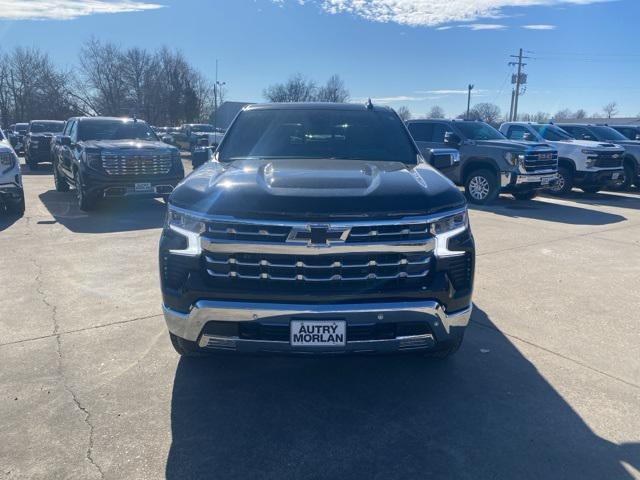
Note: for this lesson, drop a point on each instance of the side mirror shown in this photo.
(66, 141)
(451, 138)
(527, 137)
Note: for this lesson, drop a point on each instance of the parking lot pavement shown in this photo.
(546, 385)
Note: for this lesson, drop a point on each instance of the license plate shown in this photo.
(545, 180)
(142, 187)
(318, 333)
(615, 176)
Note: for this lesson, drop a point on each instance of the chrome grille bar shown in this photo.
(124, 164)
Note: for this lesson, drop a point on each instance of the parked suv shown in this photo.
(585, 164)
(37, 145)
(489, 162)
(632, 132)
(318, 228)
(604, 133)
(11, 190)
(114, 157)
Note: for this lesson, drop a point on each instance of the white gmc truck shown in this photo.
(588, 165)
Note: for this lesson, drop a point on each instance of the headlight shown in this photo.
(586, 151)
(187, 225)
(7, 161)
(93, 158)
(455, 157)
(447, 227)
(513, 157)
(590, 162)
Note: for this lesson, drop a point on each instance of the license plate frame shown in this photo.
(318, 333)
(544, 181)
(615, 176)
(142, 187)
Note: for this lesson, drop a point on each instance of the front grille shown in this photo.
(608, 160)
(175, 269)
(240, 231)
(540, 161)
(353, 267)
(123, 164)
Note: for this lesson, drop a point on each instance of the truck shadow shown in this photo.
(550, 212)
(628, 199)
(478, 415)
(110, 216)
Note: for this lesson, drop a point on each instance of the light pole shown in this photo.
(470, 87)
(217, 85)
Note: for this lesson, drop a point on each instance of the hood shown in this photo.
(316, 189)
(628, 143)
(512, 144)
(127, 145)
(588, 144)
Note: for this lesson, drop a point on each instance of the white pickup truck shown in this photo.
(588, 165)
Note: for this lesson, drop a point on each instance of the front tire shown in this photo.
(629, 177)
(16, 207)
(447, 352)
(481, 186)
(185, 348)
(86, 202)
(530, 195)
(564, 184)
(59, 181)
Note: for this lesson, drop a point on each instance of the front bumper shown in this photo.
(512, 181)
(607, 177)
(442, 326)
(114, 186)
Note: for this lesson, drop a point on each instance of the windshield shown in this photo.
(375, 135)
(114, 130)
(479, 131)
(202, 128)
(607, 133)
(52, 127)
(552, 133)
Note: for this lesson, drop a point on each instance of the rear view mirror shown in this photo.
(451, 138)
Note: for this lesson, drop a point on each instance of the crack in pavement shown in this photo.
(65, 385)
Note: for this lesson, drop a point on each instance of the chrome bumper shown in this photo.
(508, 179)
(189, 325)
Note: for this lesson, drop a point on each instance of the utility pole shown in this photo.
(519, 79)
(216, 86)
(470, 87)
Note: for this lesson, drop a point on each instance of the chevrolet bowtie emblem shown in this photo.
(318, 235)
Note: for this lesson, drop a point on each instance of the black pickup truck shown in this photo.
(104, 157)
(37, 144)
(317, 228)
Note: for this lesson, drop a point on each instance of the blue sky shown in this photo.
(417, 53)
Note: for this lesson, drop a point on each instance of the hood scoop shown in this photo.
(326, 178)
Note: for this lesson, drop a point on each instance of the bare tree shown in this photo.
(610, 109)
(486, 112)
(580, 114)
(541, 117)
(436, 112)
(297, 89)
(333, 91)
(404, 113)
(564, 114)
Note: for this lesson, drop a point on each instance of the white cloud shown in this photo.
(67, 9)
(431, 13)
(398, 98)
(483, 26)
(539, 27)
